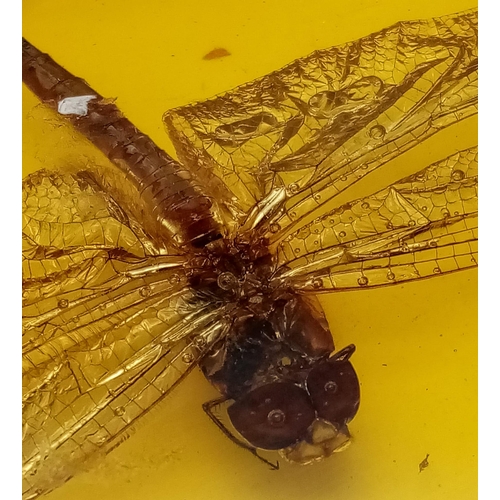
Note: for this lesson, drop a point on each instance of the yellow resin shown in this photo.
(416, 343)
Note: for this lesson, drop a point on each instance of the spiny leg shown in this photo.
(208, 408)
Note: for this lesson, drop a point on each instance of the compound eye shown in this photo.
(334, 389)
(273, 416)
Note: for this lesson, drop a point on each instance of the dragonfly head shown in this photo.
(306, 422)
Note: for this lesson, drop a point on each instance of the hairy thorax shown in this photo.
(276, 333)
(237, 272)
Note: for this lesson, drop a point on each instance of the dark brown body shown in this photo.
(275, 362)
(139, 270)
(181, 211)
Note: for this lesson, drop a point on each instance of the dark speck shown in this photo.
(216, 54)
(423, 464)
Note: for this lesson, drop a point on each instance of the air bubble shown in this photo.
(297, 250)
(331, 386)
(119, 411)
(274, 228)
(227, 281)
(377, 132)
(458, 175)
(342, 234)
(174, 279)
(276, 417)
(63, 303)
(187, 358)
(317, 283)
(363, 281)
(200, 342)
(100, 440)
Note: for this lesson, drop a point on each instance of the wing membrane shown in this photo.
(110, 323)
(423, 225)
(315, 127)
(108, 330)
(61, 433)
(63, 210)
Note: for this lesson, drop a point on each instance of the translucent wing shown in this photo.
(299, 136)
(108, 330)
(423, 225)
(110, 321)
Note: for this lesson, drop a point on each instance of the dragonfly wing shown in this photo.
(70, 418)
(63, 210)
(423, 225)
(307, 132)
(108, 329)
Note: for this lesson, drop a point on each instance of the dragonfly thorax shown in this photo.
(235, 271)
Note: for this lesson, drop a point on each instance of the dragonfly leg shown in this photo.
(209, 407)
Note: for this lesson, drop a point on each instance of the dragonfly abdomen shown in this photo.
(168, 195)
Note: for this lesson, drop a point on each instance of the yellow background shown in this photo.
(148, 54)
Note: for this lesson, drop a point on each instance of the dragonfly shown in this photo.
(138, 270)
